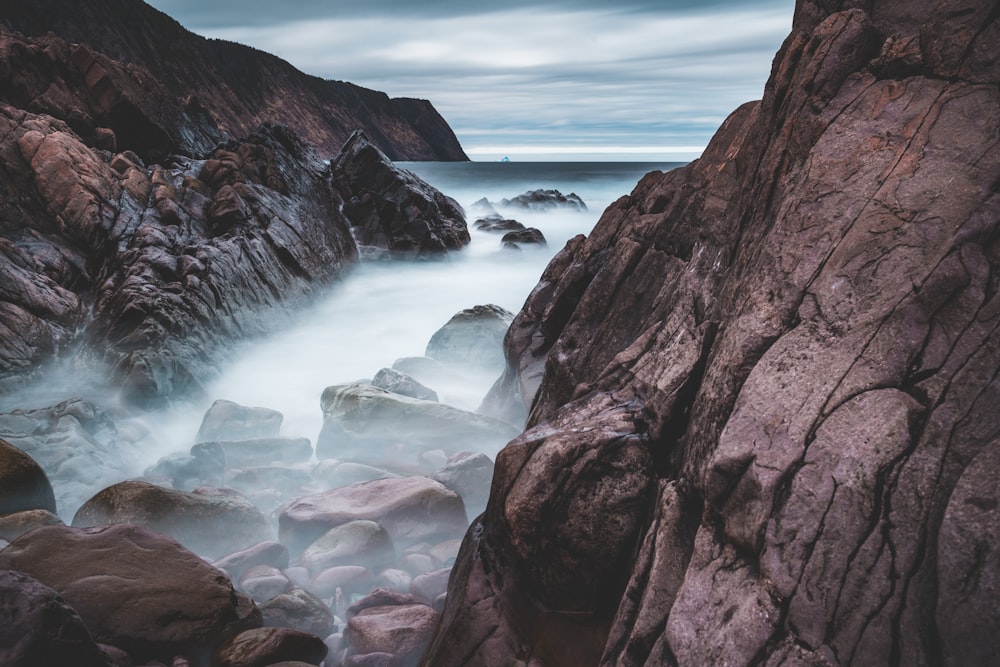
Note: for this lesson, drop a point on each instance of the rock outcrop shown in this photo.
(156, 266)
(393, 209)
(124, 67)
(761, 396)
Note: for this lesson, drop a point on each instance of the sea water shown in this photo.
(382, 311)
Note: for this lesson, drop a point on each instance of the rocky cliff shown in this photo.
(761, 396)
(166, 83)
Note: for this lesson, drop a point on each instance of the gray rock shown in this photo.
(411, 509)
(342, 579)
(528, 236)
(403, 631)
(267, 552)
(472, 337)
(227, 420)
(401, 383)
(333, 473)
(359, 542)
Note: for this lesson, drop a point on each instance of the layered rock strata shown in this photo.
(761, 396)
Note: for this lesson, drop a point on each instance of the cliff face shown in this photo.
(762, 394)
(210, 85)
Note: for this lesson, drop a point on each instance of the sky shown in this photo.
(637, 80)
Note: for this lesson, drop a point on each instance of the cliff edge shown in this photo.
(761, 396)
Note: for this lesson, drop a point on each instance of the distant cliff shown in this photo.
(193, 88)
(762, 395)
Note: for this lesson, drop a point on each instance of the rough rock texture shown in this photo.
(14, 525)
(545, 200)
(156, 85)
(23, 484)
(392, 208)
(212, 522)
(226, 420)
(401, 383)
(39, 629)
(157, 266)
(400, 630)
(262, 647)
(135, 589)
(762, 394)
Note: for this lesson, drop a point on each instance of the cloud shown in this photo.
(553, 74)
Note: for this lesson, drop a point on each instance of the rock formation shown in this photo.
(124, 66)
(761, 396)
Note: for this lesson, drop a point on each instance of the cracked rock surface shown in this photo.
(761, 396)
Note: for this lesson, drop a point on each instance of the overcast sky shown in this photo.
(628, 79)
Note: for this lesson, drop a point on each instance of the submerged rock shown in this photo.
(229, 421)
(497, 224)
(391, 208)
(545, 200)
(472, 338)
(360, 418)
(212, 522)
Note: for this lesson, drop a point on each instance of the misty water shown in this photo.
(380, 312)
(387, 310)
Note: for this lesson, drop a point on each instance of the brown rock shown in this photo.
(411, 509)
(23, 484)
(207, 521)
(135, 589)
(403, 631)
(40, 629)
(800, 330)
(14, 525)
(262, 647)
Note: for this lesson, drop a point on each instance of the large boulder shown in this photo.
(411, 509)
(226, 420)
(360, 418)
(793, 343)
(135, 589)
(23, 484)
(212, 522)
(262, 647)
(393, 209)
(472, 338)
(40, 629)
(359, 542)
(403, 631)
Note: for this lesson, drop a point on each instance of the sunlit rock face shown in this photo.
(770, 379)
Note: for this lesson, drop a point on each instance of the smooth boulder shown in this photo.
(411, 509)
(23, 484)
(135, 589)
(212, 522)
(472, 338)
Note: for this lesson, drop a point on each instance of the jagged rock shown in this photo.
(40, 628)
(164, 87)
(498, 224)
(411, 509)
(545, 200)
(529, 236)
(391, 208)
(799, 333)
(208, 521)
(401, 383)
(301, 610)
(262, 451)
(362, 418)
(23, 484)
(472, 338)
(229, 421)
(262, 647)
(135, 589)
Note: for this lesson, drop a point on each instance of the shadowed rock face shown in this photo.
(156, 265)
(770, 378)
(163, 89)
